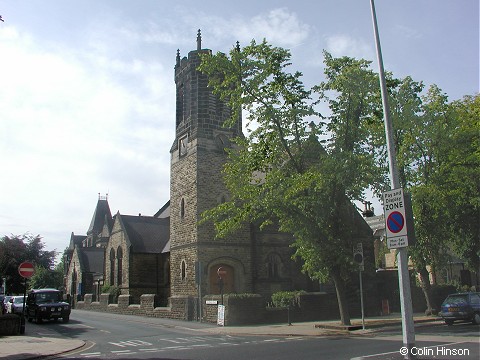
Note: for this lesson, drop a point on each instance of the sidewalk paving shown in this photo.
(22, 347)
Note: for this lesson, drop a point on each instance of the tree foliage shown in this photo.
(14, 250)
(296, 167)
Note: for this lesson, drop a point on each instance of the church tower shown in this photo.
(196, 184)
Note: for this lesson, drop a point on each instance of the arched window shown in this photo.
(112, 267)
(273, 266)
(184, 270)
(119, 266)
(182, 208)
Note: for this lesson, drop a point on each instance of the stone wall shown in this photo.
(179, 307)
(9, 324)
(243, 309)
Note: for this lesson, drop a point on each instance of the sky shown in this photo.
(87, 92)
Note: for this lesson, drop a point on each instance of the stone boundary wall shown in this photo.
(9, 324)
(178, 307)
(239, 309)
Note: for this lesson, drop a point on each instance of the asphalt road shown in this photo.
(111, 336)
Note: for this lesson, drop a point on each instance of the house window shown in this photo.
(119, 265)
(184, 270)
(112, 267)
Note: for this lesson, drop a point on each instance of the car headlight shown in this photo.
(43, 308)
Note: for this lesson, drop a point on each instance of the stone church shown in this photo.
(169, 254)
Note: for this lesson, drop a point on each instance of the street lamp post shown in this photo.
(408, 330)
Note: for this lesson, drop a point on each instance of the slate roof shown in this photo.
(164, 211)
(147, 234)
(76, 240)
(92, 259)
(377, 224)
(102, 212)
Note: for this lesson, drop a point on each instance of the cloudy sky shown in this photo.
(87, 91)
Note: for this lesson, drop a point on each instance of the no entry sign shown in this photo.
(26, 269)
(395, 224)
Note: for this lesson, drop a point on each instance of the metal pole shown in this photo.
(408, 329)
(22, 318)
(361, 298)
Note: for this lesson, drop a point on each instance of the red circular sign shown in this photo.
(395, 222)
(26, 269)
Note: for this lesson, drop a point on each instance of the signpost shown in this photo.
(221, 308)
(408, 330)
(395, 219)
(26, 270)
(358, 258)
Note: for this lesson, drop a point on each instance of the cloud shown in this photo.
(344, 45)
(279, 26)
(74, 123)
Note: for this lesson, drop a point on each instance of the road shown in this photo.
(111, 336)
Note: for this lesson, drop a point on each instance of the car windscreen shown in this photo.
(48, 297)
(456, 299)
(18, 300)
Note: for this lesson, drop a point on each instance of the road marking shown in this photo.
(93, 354)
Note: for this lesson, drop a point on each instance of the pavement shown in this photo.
(35, 346)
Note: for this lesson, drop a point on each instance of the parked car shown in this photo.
(15, 305)
(46, 304)
(461, 307)
(6, 298)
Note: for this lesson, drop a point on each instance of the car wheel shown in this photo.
(449, 322)
(476, 319)
(66, 319)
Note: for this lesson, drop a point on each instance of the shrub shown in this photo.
(286, 298)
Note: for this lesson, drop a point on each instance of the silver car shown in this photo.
(15, 305)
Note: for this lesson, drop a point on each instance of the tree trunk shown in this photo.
(341, 298)
(426, 288)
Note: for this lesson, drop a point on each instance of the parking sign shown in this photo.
(395, 218)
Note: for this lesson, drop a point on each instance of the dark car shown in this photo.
(46, 304)
(461, 307)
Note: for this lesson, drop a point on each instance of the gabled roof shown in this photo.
(102, 212)
(377, 224)
(91, 259)
(76, 240)
(164, 211)
(147, 234)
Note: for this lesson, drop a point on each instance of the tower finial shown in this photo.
(199, 40)
(178, 57)
(238, 46)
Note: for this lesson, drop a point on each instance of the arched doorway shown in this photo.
(228, 276)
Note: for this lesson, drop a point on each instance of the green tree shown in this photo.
(14, 250)
(460, 184)
(290, 170)
(436, 143)
(47, 278)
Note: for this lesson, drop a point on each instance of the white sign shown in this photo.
(395, 219)
(221, 315)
